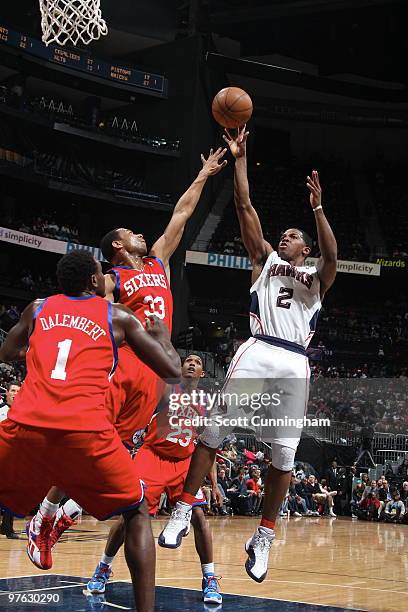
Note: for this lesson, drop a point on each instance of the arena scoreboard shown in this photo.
(81, 60)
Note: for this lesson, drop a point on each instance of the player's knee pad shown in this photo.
(283, 457)
(211, 436)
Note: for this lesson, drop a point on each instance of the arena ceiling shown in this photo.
(365, 37)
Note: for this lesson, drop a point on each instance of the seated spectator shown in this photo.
(356, 498)
(321, 496)
(395, 509)
(384, 494)
(238, 493)
(254, 492)
(404, 492)
(368, 509)
(224, 485)
(297, 504)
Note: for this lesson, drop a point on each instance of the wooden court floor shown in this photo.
(337, 562)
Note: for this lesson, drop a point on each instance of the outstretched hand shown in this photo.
(214, 162)
(313, 185)
(237, 144)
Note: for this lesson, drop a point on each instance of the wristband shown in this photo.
(320, 207)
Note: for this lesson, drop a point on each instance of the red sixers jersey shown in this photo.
(71, 358)
(146, 291)
(169, 434)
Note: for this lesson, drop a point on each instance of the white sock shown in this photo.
(183, 506)
(107, 560)
(47, 508)
(266, 531)
(72, 509)
(208, 568)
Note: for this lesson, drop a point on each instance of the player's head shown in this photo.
(79, 272)
(193, 367)
(12, 389)
(119, 241)
(293, 244)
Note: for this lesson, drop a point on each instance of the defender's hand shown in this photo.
(214, 162)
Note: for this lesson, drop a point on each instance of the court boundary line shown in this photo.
(263, 597)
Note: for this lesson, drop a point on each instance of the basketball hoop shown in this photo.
(71, 21)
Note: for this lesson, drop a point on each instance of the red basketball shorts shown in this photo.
(94, 468)
(163, 475)
(133, 395)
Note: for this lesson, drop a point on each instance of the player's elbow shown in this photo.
(330, 258)
(172, 371)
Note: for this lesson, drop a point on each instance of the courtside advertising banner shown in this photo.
(242, 263)
(45, 244)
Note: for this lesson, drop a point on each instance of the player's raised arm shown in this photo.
(251, 230)
(152, 345)
(15, 345)
(327, 263)
(165, 246)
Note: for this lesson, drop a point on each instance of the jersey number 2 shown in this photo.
(285, 294)
(59, 372)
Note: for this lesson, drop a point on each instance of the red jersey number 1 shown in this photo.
(59, 372)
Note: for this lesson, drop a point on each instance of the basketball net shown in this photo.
(71, 21)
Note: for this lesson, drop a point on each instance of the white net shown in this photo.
(71, 21)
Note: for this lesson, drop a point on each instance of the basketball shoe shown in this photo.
(97, 583)
(62, 522)
(177, 527)
(211, 589)
(39, 542)
(258, 548)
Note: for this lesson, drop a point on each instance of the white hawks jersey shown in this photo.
(285, 302)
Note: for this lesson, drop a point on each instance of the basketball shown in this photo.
(232, 107)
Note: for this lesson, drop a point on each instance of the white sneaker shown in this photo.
(177, 527)
(331, 513)
(258, 548)
(297, 514)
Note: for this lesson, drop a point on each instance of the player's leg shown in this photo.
(276, 485)
(103, 570)
(140, 556)
(148, 465)
(204, 548)
(285, 376)
(118, 486)
(63, 518)
(27, 458)
(179, 522)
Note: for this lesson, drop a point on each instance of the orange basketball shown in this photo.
(232, 107)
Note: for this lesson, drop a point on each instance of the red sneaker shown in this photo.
(61, 524)
(39, 544)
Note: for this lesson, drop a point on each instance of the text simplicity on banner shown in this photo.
(242, 263)
(195, 257)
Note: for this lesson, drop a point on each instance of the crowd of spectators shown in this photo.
(391, 200)
(281, 199)
(382, 328)
(382, 500)
(54, 224)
